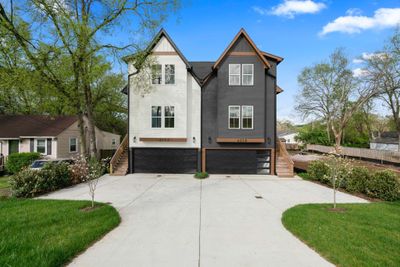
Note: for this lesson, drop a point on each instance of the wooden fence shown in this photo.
(362, 153)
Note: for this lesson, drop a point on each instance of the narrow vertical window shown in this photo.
(247, 74)
(41, 146)
(234, 117)
(156, 116)
(247, 117)
(169, 117)
(234, 74)
(169, 74)
(156, 74)
(73, 145)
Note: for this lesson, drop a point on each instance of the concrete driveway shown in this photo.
(176, 220)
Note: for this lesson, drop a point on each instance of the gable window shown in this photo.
(169, 74)
(73, 145)
(156, 74)
(247, 117)
(156, 116)
(234, 74)
(247, 74)
(41, 146)
(234, 117)
(169, 117)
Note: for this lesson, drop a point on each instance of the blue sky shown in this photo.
(293, 29)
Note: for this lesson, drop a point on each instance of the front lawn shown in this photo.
(50, 232)
(4, 182)
(362, 235)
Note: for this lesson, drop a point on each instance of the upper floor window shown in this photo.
(73, 146)
(169, 74)
(234, 74)
(234, 117)
(156, 74)
(247, 74)
(169, 117)
(247, 117)
(156, 116)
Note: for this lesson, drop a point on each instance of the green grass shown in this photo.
(50, 232)
(4, 182)
(363, 235)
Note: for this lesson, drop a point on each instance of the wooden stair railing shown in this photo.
(118, 154)
(288, 162)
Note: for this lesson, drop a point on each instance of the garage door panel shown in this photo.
(159, 160)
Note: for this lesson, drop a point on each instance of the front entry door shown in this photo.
(13, 146)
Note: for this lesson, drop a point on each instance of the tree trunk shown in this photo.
(328, 132)
(338, 140)
(82, 144)
(398, 147)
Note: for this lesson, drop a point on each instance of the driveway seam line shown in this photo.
(141, 194)
(201, 196)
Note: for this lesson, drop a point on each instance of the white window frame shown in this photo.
(76, 145)
(165, 74)
(151, 117)
(164, 117)
(252, 74)
(252, 117)
(229, 116)
(230, 74)
(45, 145)
(161, 74)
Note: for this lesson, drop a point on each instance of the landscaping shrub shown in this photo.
(384, 185)
(318, 171)
(358, 180)
(79, 170)
(17, 161)
(201, 175)
(30, 183)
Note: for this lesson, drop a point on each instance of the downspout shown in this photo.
(130, 154)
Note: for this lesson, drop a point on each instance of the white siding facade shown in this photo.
(184, 96)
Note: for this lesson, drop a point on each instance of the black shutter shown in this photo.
(49, 146)
(32, 145)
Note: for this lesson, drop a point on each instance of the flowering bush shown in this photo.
(79, 170)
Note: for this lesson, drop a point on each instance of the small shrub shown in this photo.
(79, 170)
(358, 180)
(384, 185)
(17, 161)
(318, 170)
(24, 183)
(201, 175)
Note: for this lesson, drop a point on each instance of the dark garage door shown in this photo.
(238, 161)
(161, 160)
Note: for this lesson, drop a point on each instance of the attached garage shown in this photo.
(237, 161)
(164, 160)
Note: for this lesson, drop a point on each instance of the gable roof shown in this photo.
(15, 126)
(272, 56)
(202, 69)
(243, 33)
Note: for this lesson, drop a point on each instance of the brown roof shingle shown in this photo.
(14, 126)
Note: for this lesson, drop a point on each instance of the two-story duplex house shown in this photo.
(218, 117)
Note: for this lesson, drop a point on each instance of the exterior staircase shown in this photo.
(120, 160)
(284, 164)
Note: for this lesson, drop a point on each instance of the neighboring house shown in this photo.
(217, 116)
(385, 141)
(289, 137)
(53, 137)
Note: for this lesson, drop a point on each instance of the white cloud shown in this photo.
(354, 12)
(355, 23)
(358, 61)
(367, 56)
(290, 8)
(359, 72)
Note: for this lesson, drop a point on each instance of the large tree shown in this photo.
(382, 70)
(330, 92)
(75, 29)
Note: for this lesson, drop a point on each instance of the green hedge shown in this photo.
(17, 161)
(384, 185)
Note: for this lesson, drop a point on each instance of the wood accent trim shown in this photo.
(167, 139)
(272, 167)
(277, 58)
(252, 44)
(240, 140)
(236, 53)
(203, 160)
(238, 148)
(164, 53)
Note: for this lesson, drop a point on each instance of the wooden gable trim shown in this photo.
(252, 44)
(240, 140)
(277, 58)
(278, 89)
(162, 139)
(164, 53)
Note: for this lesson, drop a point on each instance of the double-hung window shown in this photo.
(234, 74)
(156, 74)
(73, 145)
(247, 117)
(156, 117)
(41, 146)
(247, 74)
(234, 117)
(169, 117)
(169, 74)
